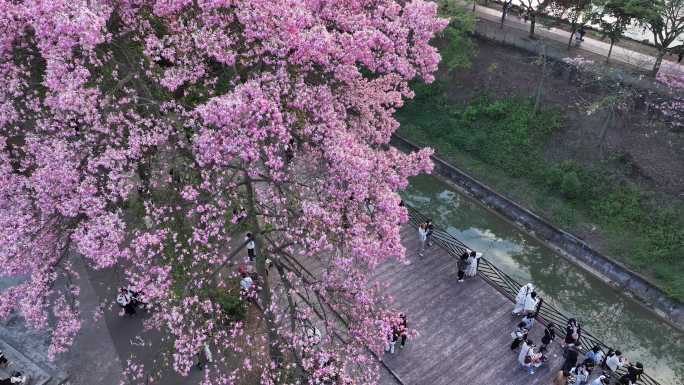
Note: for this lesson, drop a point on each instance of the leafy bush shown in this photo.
(571, 187)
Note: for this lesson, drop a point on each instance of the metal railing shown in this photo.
(546, 312)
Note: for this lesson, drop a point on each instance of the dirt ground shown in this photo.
(638, 146)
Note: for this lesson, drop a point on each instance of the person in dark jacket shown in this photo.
(462, 264)
(570, 358)
(549, 334)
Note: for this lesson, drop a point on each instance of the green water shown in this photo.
(602, 310)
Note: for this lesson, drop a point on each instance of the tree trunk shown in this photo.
(503, 14)
(658, 62)
(572, 34)
(260, 264)
(474, 4)
(610, 50)
(540, 86)
(533, 21)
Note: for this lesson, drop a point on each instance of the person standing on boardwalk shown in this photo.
(250, 246)
(462, 265)
(403, 329)
(573, 332)
(549, 334)
(595, 355)
(430, 229)
(422, 238)
(520, 298)
(615, 361)
(471, 268)
(531, 302)
(528, 320)
(580, 375)
(571, 356)
(519, 335)
(526, 350)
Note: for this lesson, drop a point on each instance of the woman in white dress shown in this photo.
(521, 298)
(473, 259)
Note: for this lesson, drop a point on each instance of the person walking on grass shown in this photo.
(422, 238)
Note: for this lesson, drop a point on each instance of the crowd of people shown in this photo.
(579, 366)
(575, 370)
(16, 378)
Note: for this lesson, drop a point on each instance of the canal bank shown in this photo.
(606, 312)
(605, 268)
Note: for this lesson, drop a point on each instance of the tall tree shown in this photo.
(665, 20)
(613, 19)
(534, 8)
(459, 48)
(183, 113)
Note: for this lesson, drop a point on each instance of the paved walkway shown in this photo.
(516, 29)
(464, 328)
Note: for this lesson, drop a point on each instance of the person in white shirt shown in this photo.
(250, 246)
(246, 282)
(523, 293)
(615, 361)
(473, 259)
(580, 374)
(422, 237)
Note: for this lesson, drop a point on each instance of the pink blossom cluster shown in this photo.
(131, 133)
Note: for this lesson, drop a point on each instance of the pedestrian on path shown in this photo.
(3, 360)
(580, 375)
(430, 229)
(473, 260)
(531, 302)
(634, 372)
(549, 334)
(519, 335)
(204, 357)
(615, 361)
(571, 356)
(580, 33)
(595, 355)
(403, 329)
(573, 331)
(249, 238)
(125, 300)
(525, 354)
(521, 297)
(422, 238)
(392, 339)
(528, 320)
(462, 265)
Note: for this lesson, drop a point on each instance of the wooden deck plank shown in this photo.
(464, 328)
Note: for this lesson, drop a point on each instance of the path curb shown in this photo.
(566, 244)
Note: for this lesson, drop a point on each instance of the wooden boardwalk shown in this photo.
(464, 328)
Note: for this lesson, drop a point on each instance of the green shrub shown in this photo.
(571, 187)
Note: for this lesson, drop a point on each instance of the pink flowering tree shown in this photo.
(131, 132)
